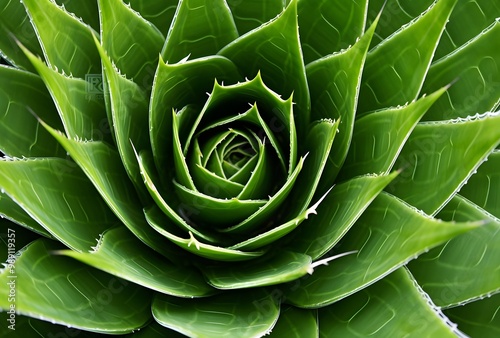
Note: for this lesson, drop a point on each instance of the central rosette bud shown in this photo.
(234, 182)
(233, 155)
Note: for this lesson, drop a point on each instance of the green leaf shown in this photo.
(476, 69)
(386, 236)
(232, 314)
(294, 322)
(103, 167)
(16, 28)
(129, 111)
(31, 327)
(449, 273)
(216, 212)
(282, 267)
(82, 113)
(171, 211)
(131, 42)
(274, 50)
(88, 11)
(64, 291)
(468, 19)
(478, 319)
(21, 91)
(277, 231)
(191, 244)
(337, 213)
(334, 85)
(394, 75)
(318, 144)
(273, 112)
(173, 91)
(258, 219)
(393, 307)
(159, 13)
(483, 188)
(250, 14)
(395, 13)
(59, 196)
(327, 27)
(199, 28)
(67, 42)
(379, 137)
(431, 153)
(13, 212)
(121, 254)
(155, 330)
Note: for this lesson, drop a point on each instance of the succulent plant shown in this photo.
(237, 168)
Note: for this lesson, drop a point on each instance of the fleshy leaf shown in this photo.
(274, 50)
(295, 322)
(131, 42)
(277, 231)
(282, 267)
(67, 42)
(386, 236)
(88, 11)
(250, 14)
(263, 214)
(379, 137)
(479, 318)
(102, 165)
(199, 28)
(232, 314)
(318, 144)
(159, 13)
(18, 91)
(216, 212)
(13, 212)
(172, 91)
(64, 291)
(171, 211)
(476, 69)
(191, 244)
(334, 85)
(59, 196)
(336, 214)
(449, 273)
(129, 111)
(394, 75)
(431, 154)
(483, 188)
(393, 307)
(82, 113)
(121, 254)
(274, 112)
(467, 20)
(31, 327)
(395, 13)
(327, 27)
(14, 19)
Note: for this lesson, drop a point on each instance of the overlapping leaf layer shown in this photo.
(228, 168)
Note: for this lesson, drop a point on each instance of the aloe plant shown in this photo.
(240, 168)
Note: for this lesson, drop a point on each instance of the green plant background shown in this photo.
(361, 198)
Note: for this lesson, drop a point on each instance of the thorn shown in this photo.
(193, 240)
(327, 260)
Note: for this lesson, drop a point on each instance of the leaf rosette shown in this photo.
(240, 168)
